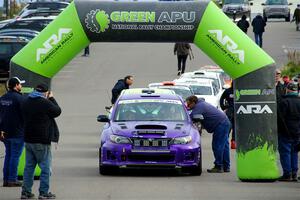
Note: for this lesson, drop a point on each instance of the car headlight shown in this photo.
(119, 139)
(182, 140)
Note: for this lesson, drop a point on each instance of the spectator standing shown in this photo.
(86, 51)
(258, 24)
(12, 130)
(227, 105)
(243, 24)
(289, 132)
(296, 16)
(39, 110)
(182, 50)
(216, 122)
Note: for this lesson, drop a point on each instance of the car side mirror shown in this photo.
(197, 118)
(263, 4)
(102, 118)
(290, 4)
(251, 3)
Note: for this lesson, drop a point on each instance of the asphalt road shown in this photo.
(82, 89)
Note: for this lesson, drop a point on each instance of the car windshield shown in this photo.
(236, 2)
(277, 2)
(201, 90)
(150, 110)
(50, 5)
(184, 93)
(37, 25)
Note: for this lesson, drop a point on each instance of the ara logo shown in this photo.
(51, 42)
(229, 44)
(254, 109)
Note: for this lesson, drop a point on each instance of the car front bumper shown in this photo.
(125, 156)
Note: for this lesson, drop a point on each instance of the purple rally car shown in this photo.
(149, 128)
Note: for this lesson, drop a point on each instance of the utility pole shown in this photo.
(6, 8)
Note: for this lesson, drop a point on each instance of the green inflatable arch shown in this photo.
(198, 22)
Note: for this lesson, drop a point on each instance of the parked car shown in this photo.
(9, 46)
(203, 74)
(182, 90)
(277, 9)
(149, 128)
(35, 7)
(203, 88)
(34, 23)
(26, 33)
(235, 9)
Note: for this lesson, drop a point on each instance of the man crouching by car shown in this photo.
(39, 111)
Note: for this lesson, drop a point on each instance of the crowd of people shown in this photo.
(28, 121)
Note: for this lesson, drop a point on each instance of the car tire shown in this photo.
(265, 18)
(287, 19)
(197, 171)
(105, 170)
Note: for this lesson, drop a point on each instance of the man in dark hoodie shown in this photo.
(243, 24)
(258, 24)
(227, 105)
(216, 122)
(289, 132)
(39, 111)
(12, 131)
(119, 86)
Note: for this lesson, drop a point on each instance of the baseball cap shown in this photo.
(292, 87)
(12, 82)
(41, 88)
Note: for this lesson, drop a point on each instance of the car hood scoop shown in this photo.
(150, 127)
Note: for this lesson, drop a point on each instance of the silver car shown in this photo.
(276, 9)
(235, 9)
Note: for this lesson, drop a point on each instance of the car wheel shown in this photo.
(287, 19)
(195, 170)
(265, 18)
(105, 170)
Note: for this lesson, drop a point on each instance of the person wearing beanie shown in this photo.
(39, 110)
(12, 130)
(289, 132)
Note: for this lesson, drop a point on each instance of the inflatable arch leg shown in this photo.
(200, 22)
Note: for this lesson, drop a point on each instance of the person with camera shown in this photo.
(216, 122)
(39, 110)
(12, 130)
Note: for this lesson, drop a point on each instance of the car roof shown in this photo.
(163, 85)
(140, 93)
(190, 81)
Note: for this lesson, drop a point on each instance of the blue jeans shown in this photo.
(258, 39)
(288, 155)
(13, 151)
(37, 154)
(220, 145)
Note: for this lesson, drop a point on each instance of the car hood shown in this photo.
(151, 129)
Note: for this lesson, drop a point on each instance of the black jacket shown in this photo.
(280, 91)
(289, 117)
(258, 24)
(117, 89)
(243, 25)
(11, 119)
(227, 102)
(39, 114)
